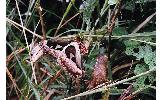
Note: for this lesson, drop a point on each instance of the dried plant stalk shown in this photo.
(99, 74)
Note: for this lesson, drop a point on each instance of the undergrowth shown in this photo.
(123, 30)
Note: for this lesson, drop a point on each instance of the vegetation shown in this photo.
(81, 49)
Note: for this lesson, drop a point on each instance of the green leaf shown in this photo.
(118, 31)
(152, 77)
(89, 6)
(130, 5)
(140, 68)
(68, 8)
(144, 1)
(142, 52)
(150, 59)
(141, 81)
(49, 31)
(146, 52)
(112, 2)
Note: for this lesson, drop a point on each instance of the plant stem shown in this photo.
(14, 23)
(110, 85)
(42, 22)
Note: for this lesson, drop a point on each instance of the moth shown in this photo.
(71, 67)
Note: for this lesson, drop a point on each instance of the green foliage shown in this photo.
(87, 8)
(141, 51)
(118, 31)
(21, 69)
(112, 2)
(130, 5)
(68, 8)
(143, 1)
(143, 81)
(91, 58)
(140, 68)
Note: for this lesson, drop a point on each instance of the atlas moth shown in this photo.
(67, 64)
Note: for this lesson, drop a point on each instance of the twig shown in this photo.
(66, 23)
(111, 85)
(22, 24)
(130, 68)
(55, 77)
(64, 15)
(34, 39)
(51, 92)
(10, 57)
(46, 72)
(123, 66)
(113, 16)
(125, 93)
(69, 19)
(143, 23)
(25, 73)
(111, 24)
(118, 37)
(42, 22)
(13, 81)
(150, 43)
(50, 64)
(26, 40)
(14, 23)
(129, 97)
(109, 17)
(108, 47)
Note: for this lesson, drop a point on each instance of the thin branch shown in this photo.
(46, 72)
(70, 19)
(123, 66)
(143, 23)
(111, 24)
(110, 85)
(113, 17)
(42, 22)
(14, 23)
(60, 26)
(22, 24)
(13, 81)
(49, 94)
(55, 77)
(26, 40)
(24, 72)
(150, 43)
(11, 56)
(126, 92)
(135, 93)
(116, 37)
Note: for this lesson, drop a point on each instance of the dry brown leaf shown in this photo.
(99, 74)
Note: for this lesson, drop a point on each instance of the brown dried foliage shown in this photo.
(99, 74)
